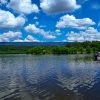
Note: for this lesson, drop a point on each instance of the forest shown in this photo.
(71, 48)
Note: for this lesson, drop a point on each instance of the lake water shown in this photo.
(49, 77)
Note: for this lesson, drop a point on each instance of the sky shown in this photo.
(49, 20)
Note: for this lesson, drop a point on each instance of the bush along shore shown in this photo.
(72, 48)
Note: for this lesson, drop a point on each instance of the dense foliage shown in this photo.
(12, 49)
(72, 48)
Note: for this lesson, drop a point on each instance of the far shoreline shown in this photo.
(71, 48)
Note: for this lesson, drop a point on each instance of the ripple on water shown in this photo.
(49, 77)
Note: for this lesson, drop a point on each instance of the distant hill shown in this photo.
(35, 43)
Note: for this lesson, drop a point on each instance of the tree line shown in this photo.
(71, 48)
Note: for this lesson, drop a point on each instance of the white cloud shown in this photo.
(37, 23)
(31, 28)
(35, 18)
(29, 38)
(50, 36)
(69, 21)
(90, 34)
(18, 40)
(23, 6)
(58, 6)
(57, 31)
(2, 2)
(10, 36)
(42, 26)
(99, 24)
(8, 20)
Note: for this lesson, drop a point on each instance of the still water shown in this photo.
(49, 77)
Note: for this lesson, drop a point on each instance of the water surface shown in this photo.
(49, 77)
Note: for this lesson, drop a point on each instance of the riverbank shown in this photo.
(72, 48)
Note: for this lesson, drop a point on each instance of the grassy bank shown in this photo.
(73, 48)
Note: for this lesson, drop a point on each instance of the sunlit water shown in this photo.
(49, 77)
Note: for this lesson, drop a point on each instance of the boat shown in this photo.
(97, 56)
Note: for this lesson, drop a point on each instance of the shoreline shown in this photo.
(74, 48)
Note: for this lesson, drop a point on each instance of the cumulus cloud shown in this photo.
(48, 36)
(42, 26)
(69, 21)
(31, 28)
(36, 23)
(10, 36)
(29, 38)
(57, 31)
(58, 6)
(99, 24)
(91, 34)
(2, 2)
(35, 18)
(8, 20)
(23, 6)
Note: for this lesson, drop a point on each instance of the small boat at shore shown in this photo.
(97, 56)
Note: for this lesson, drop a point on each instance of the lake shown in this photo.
(49, 77)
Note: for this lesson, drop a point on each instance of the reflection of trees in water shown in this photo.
(81, 58)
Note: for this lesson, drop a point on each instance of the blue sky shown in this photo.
(49, 20)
